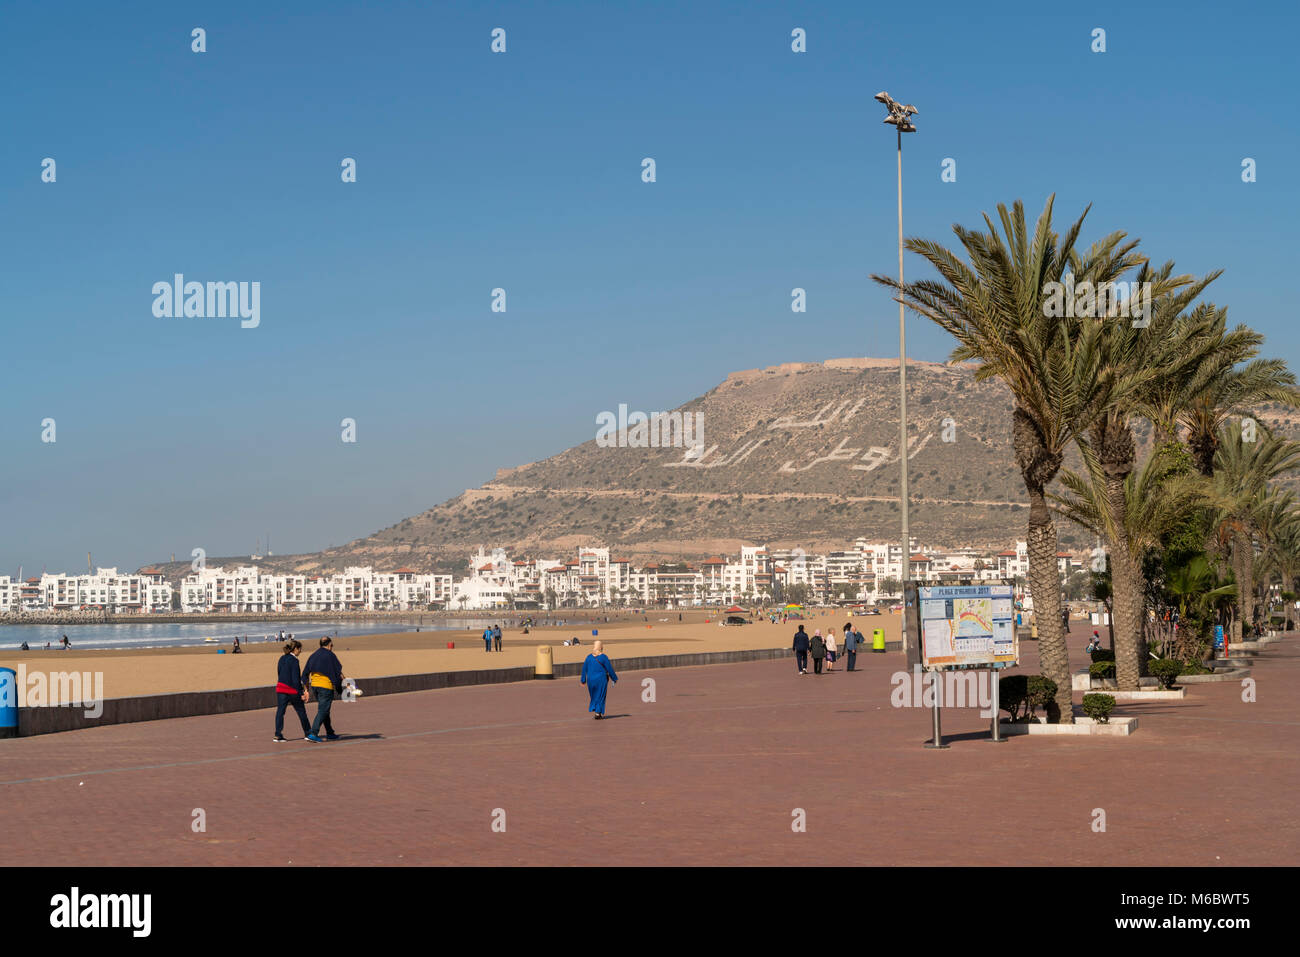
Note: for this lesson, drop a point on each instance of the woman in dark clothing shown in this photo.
(289, 689)
(817, 647)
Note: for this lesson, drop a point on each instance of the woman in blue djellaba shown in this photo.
(597, 673)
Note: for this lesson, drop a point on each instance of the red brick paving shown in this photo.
(708, 774)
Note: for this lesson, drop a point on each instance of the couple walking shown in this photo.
(824, 649)
(323, 672)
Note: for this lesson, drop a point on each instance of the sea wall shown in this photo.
(190, 704)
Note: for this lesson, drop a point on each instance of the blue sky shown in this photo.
(522, 171)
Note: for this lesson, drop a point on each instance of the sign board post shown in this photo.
(963, 627)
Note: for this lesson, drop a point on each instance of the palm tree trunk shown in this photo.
(1248, 571)
(1242, 601)
(1045, 586)
(1125, 598)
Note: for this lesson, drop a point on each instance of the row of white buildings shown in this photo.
(593, 577)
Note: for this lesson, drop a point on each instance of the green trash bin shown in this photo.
(878, 640)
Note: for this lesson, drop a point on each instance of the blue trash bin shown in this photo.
(8, 703)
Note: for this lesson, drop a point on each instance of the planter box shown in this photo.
(1235, 674)
(1082, 681)
(1082, 725)
(1149, 694)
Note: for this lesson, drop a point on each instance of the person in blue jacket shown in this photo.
(801, 650)
(324, 673)
(289, 689)
(597, 672)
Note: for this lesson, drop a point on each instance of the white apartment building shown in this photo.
(591, 578)
(11, 595)
(107, 589)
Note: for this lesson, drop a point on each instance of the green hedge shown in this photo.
(1098, 707)
(1102, 669)
(1102, 654)
(1021, 695)
(1167, 670)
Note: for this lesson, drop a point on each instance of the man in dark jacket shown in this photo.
(852, 638)
(801, 650)
(324, 674)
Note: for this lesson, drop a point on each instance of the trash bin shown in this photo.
(545, 663)
(8, 703)
(878, 640)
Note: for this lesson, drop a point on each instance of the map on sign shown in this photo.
(967, 625)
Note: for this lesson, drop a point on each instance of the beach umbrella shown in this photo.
(735, 608)
(794, 607)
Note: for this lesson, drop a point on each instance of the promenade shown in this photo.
(709, 773)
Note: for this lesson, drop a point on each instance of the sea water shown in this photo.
(171, 635)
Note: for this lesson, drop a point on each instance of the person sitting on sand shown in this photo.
(237, 650)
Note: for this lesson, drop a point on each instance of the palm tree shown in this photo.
(1279, 524)
(1139, 357)
(1241, 495)
(1153, 500)
(1197, 589)
(999, 309)
(1282, 554)
(1225, 382)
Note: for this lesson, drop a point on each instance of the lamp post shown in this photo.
(900, 118)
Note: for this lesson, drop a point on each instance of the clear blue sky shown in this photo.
(522, 171)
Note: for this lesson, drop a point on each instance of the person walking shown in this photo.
(487, 639)
(817, 648)
(830, 650)
(851, 641)
(289, 690)
(324, 673)
(801, 650)
(496, 636)
(597, 672)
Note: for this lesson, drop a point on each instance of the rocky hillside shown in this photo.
(798, 454)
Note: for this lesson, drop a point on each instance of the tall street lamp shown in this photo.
(900, 118)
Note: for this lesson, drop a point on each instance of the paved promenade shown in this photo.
(709, 773)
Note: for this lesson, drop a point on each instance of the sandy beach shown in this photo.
(128, 673)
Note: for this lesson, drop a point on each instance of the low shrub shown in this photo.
(1102, 669)
(1021, 695)
(1102, 654)
(1098, 707)
(1194, 667)
(1167, 670)
(1041, 693)
(1012, 692)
